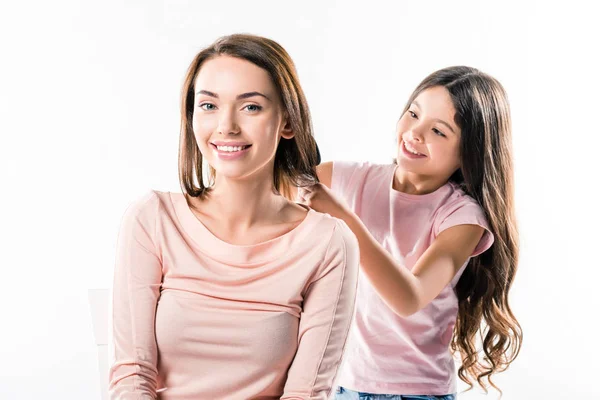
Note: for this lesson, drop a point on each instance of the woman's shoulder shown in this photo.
(151, 202)
(335, 230)
(336, 245)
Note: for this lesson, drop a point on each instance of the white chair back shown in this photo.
(99, 304)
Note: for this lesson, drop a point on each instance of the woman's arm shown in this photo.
(137, 280)
(327, 312)
(404, 291)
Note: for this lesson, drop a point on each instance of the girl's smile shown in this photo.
(410, 152)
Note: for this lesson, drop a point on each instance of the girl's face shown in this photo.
(238, 118)
(428, 138)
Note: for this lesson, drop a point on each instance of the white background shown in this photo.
(89, 102)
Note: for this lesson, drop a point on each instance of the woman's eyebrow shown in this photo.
(251, 94)
(207, 93)
(239, 97)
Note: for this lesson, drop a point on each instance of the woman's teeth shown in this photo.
(230, 149)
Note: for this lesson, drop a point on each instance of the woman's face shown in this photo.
(428, 138)
(238, 118)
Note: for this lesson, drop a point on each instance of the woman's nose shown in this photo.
(228, 123)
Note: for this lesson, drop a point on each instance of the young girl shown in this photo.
(229, 290)
(438, 243)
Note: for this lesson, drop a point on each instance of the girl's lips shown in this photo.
(410, 154)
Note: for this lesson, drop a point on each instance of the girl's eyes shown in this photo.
(438, 132)
(435, 130)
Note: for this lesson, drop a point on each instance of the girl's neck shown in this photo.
(412, 183)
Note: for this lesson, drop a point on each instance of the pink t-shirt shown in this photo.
(388, 353)
(196, 318)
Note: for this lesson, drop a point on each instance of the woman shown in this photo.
(230, 290)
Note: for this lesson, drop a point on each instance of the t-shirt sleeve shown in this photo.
(137, 280)
(347, 179)
(466, 211)
(325, 320)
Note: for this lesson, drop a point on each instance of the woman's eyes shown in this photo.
(211, 107)
(207, 106)
(253, 107)
(412, 114)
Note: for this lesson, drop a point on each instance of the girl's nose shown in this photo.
(416, 135)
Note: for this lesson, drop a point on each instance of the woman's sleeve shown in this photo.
(137, 281)
(327, 312)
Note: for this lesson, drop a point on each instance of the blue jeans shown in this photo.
(347, 394)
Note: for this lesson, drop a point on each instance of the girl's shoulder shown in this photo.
(350, 167)
(352, 174)
(457, 197)
(451, 199)
(461, 209)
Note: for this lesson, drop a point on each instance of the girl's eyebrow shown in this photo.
(441, 121)
(445, 123)
(239, 97)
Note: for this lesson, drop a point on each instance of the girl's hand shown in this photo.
(321, 199)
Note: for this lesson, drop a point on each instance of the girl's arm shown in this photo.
(324, 173)
(404, 291)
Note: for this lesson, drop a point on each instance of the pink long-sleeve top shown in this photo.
(196, 318)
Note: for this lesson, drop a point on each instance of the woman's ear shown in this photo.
(287, 132)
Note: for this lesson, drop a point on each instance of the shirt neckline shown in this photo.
(242, 254)
(413, 197)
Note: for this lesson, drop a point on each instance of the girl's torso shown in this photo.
(388, 353)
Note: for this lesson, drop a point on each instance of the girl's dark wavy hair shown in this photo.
(486, 174)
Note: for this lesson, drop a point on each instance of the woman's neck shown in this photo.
(241, 204)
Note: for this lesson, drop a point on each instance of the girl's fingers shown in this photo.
(301, 196)
(304, 194)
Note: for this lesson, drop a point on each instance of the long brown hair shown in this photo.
(295, 158)
(486, 174)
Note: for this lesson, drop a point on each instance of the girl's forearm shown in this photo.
(396, 285)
